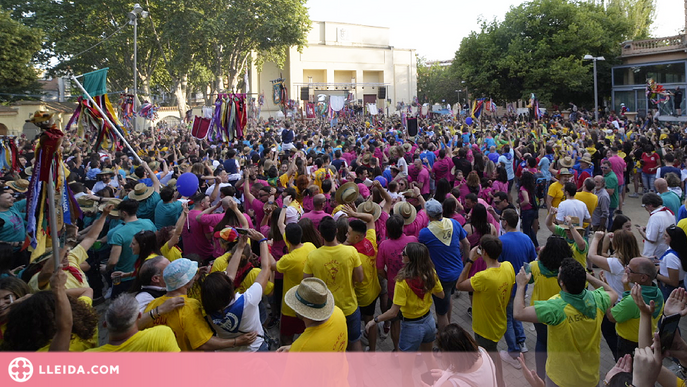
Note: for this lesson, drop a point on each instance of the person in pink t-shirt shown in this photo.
(232, 217)
(194, 235)
(389, 262)
(317, 214)
(422, 179)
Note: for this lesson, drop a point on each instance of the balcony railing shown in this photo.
(653, 46)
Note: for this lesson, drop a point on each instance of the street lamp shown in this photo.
(596, 93)
(133, 20)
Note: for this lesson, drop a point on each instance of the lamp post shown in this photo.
(133, 20)
(596, 93)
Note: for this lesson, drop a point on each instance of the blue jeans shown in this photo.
(611, 213)
(648, 181)
(515, 333)
(414, 333)
(528, 218)
(353, 325)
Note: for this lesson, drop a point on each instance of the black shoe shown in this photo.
(618, 212)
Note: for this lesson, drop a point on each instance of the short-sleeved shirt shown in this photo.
(492, 290)
(423, 177)
(241, 315)
(156, 339)
(574, 340)
(556, 192)
(291, 265)
(330, 336)
(590, 200)
(579, 255)
(389, 259)
(659, 220)
(612, 183)
(517, 249)
(76, 256)
(334, 265)
(626, 313)
(412, 306)
(146, 207)
(447, 259)
(672, 201)
(573, 208)
(544, 287)
(167, 214)
(14, 229)
(122, 237)
(190, 328)
(368, 290)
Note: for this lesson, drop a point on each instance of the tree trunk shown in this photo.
(180, 94)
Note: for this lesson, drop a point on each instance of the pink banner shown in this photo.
(188, 369)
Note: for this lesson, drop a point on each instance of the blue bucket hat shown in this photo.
(179, 273)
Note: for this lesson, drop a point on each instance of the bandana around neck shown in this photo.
(442, 230)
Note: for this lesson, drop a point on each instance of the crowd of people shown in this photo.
(304, 237)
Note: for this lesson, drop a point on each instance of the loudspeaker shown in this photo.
(412, 126)
(305, 94)
(381, 93)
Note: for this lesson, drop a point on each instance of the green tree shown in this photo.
(17, 71)
(437, 83)
(538, 48)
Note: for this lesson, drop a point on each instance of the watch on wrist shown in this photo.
(376, 319)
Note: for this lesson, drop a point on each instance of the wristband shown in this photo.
(262, 240)
(376, 319)
(470, 261)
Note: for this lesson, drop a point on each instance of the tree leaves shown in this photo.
(20, 43)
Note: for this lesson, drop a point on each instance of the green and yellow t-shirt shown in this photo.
(573, 339)
(492, 287)
(578, 255)
(291, 265)
(626, 313)
(545, 287)
(411, 305)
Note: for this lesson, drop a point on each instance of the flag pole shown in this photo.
(52, 220)
(114, 128)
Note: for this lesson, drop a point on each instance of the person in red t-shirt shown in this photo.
(650, 163)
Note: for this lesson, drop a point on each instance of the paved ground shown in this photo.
(513, 377)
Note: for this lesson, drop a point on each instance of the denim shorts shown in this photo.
(353, 326)
(414, 333)
(441, 305)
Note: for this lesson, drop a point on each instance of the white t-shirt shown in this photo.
(659, 221)
(484, 376)
(615, 276)
(218, 198)
(232, 323)
(573, 208)
(671, 261)
(144, 298)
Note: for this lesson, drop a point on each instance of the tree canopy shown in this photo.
(183, 45)
(438, 83)
(539, 48)
(20, 44)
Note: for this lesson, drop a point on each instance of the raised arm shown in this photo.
(179, 226)
(95, 230)
(549, 219)
(153, 177)
(63, 313)
(598, 260)
(235, 260)
(265, 258)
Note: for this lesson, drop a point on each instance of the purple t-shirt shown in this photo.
(389, 258)
(195, 241)
(423, 177)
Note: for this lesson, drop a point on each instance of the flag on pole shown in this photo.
(477, 108)
(95, 82)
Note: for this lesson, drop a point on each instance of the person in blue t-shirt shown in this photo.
(447, 242)
(518, 249)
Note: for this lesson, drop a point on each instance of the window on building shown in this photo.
(638, 75)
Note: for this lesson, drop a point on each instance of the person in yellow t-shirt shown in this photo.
(545, 279)
(491, 294)
(12, 290)
(291, 265)
(338, 266)
(325, 323)
(363, 236)
(588, 197)
(190, 328)
(121, 321)
(573, 319)
(416, 282)
(555, 193)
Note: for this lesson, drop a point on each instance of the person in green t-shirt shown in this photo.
(612, 188)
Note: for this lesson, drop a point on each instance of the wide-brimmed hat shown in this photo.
(586, 159)
(87, 205)
(28, 171)
(19, 185)
(407, 212)
(311, 299)
(141, 192)
(366, 158)
(347, 193)
(172, 183)
(115, 203)
(574, 222)
(564, 172)
(40, 116)
(106, 171)
(567, 162)
(372, 208)
(407, 146)
(178, 273)
(154, 165)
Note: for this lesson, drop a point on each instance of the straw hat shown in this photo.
(154, 165)
(106, 171)
(407, 147)
(586, 159)
(172, 183)
(564, 172)
(567, 162)
(407, 212)
(19, 185)
(141, 192)
(40, 116)
(366, 158)
(372, 208)
(347, 193)
(311, 299)
(87, 205)
(115, 202)
(28, 171)
(574, 222)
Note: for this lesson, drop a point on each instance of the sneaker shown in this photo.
(470, 311)
(634, 195)
(506, 358)
(618, 212)
(523, 347)
(364, 339)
